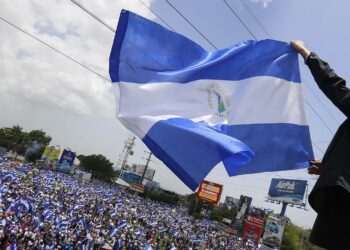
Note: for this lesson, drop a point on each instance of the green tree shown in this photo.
(12, 138)
(100, 167)
(295, 237)
(31, 144)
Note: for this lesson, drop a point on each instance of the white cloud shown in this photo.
(39, 75)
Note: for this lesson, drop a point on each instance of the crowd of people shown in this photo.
(44, 209)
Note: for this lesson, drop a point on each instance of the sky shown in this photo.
(41, 89)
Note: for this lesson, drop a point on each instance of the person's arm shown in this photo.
(333, 86)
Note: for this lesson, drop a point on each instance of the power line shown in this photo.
(318, 147)
(324, 106)
(270, 36)
(93, 15)
(166, 23)
(247, 28)
(319, 117)
(240, 20)
(53, 48)
(256, 19)
(191, 24)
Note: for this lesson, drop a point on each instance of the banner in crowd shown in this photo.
(51, 153)
(274, 229)
(66, 160)
(286, 190)
(209, 192)
(252, 228)
(194, 108)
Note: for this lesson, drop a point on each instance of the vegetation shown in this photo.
(100, 167)
(215, 212)
(161, 196)
(30, 144)
(296, 238)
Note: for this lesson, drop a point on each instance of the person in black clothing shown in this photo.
(330, 197)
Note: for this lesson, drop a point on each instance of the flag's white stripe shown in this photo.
(257, 100)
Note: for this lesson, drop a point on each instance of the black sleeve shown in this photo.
(333, 86)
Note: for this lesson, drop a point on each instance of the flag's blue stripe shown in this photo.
(145, 52)
(196, 148)
(275, 145)
(192, 149)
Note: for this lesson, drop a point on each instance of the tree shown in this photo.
(295, 237)
(100, 167)
(31, 144)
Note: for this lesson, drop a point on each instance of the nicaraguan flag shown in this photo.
(113, 214)
(48, 215)
(122, 224)
(63, 224)
(78, 207)
(241, 105)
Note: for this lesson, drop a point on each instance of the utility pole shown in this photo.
(146, 166)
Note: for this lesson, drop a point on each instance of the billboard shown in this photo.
(65, 163)
(51, 153)
(274, 231)
(209, 192)
(243, 206)
(286, 190)
(252, 228)
(231, 202)
(152, 185)
(130, 177)
(138, 169)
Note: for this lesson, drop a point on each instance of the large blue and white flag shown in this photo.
(242, 105)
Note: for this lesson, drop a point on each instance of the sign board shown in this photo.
(209, 192)
(137, 187)
(152, 185)
(51, 153)
(231, 202)
(252, 228)
(286, 190)
(274, 229)
(130, 177)
(228, 221)
(243, 207)
(138, 169)
(66, 160)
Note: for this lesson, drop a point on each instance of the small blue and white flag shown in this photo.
(63, 224)
(113, 232)
(148, 247)
(78, 207)
(100, 210)
(122, 224)
(27, 206)
(48, 215)
(241, 105)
